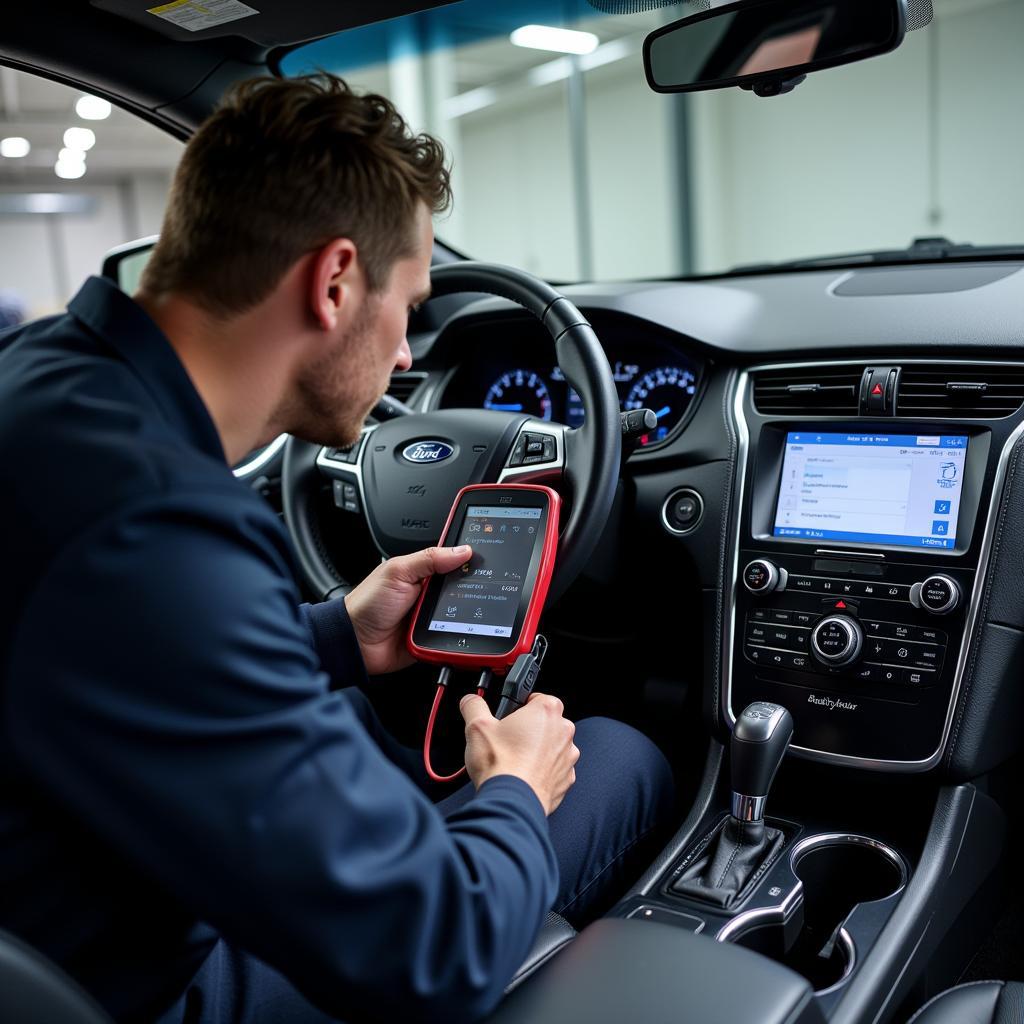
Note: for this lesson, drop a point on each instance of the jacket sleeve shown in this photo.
(335, 643)
(164, 687)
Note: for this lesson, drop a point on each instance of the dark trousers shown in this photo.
(623, 793)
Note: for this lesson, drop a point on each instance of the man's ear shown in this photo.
(335, 272)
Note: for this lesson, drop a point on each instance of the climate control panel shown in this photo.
(863, 651)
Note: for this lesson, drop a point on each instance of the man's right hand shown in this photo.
(534, 743)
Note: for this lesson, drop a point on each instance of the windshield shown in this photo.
(571, 167)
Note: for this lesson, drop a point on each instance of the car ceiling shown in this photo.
(166, 74)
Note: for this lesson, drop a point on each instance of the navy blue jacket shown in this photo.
(175, 764)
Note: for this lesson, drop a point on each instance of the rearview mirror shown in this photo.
(124, 265)
(769, 46)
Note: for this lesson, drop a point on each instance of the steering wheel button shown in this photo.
(534, 447)
(549, 449)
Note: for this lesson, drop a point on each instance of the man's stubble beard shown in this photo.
(331, 403)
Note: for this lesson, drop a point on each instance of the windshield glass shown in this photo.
(571, 167)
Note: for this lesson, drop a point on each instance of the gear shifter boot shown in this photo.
(733, 855)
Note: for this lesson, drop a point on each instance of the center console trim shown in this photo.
(728, 633)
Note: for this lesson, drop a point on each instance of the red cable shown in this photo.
(428, 738)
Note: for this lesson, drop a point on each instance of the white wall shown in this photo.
(845, 162)
(44, 259)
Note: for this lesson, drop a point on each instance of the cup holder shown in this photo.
(839, 872)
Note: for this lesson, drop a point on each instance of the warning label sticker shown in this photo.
(195, 15)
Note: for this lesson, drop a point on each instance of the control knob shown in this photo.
(938, 594)
(762, 577)
(837, 640)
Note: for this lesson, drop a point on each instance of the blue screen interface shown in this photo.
(886, 489)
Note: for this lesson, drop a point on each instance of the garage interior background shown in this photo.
(572, 168)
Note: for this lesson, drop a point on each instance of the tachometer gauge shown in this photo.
(520, 391)
(667, 390)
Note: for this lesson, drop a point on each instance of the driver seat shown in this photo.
(36, 991)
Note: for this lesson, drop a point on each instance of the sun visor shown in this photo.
(266, 23)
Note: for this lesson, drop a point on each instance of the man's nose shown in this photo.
(404, 358)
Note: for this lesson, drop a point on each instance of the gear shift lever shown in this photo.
(742, 847)
(759, 742)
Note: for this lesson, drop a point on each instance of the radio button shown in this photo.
(929, 636)
(928, 656)
(798, 661)
(889, 674)
(837, 640)
(866, 589)
(781, 616)
(761, 576)
(757, 633)
(893, 592)
(873, 627)
(868, 673)
(938, 595)
(808, 583)
(758, 615)
(918, 677)
(804, 619)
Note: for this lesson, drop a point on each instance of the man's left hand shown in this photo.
(379, 605)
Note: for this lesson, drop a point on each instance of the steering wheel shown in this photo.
(403, 474)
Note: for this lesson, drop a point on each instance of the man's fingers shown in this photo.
(428, 562)
(474, 708)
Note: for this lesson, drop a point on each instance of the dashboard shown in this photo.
(830, 436)
(515, 371)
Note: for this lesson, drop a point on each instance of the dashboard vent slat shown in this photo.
(403, 385)
(983, 392)
(828, 390)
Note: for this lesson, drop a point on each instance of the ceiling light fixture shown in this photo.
(80, 139)
(65, 169)
(14, 146)
(559, 40)
(92, 108)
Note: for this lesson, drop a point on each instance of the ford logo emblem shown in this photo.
(428, 451)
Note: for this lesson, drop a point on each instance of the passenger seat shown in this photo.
(977, 1002)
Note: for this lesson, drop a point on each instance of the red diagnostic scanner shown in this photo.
(485, 614)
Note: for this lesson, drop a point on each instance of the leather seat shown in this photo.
(978, 1002)
(554, 934)
(36, 991)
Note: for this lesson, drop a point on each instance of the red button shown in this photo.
(877, 389)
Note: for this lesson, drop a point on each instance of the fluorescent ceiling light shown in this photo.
(80, 139)
(560, 40)
(92, 108)
(14, 146)
(70, 156)
(63, 169)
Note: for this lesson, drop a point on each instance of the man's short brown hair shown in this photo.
(279, 169)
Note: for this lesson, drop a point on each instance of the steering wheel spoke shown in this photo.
(537, 455)
(404, 473)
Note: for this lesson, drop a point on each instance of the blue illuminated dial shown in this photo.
(520, 391)
(667, 390)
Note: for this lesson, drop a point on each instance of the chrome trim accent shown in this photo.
(954, 594)
(774, 576)
(262, 459)
(851, 962)
(333, 466)
(850, 554)
(851, 839)
(748, 808)
(779, 913)
(700, 513)
(542, 470)
(995, 502)
(854, 639)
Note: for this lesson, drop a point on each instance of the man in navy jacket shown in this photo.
(196, 820)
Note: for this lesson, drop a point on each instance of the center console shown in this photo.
(859, 552)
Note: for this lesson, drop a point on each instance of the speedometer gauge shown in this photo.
(520, 391)
(668, 391)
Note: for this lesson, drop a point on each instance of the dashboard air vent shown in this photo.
(403, 385)
(821, 391)
(974, 392)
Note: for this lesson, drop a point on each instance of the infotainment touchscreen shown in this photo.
(885, 489)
